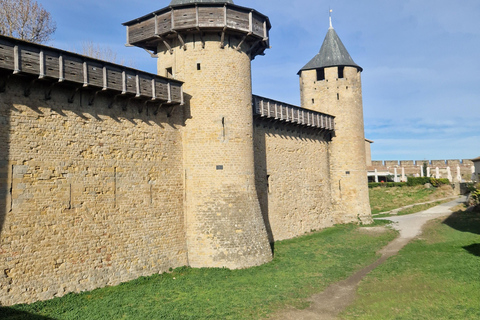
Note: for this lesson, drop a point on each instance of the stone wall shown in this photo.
(292, 179)
(90, 196)
(414, 167)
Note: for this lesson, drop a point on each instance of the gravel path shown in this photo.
(328, 304)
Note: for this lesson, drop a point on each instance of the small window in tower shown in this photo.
(340, 72)
(199, 67)
(169, 72)
(338, 96)
(320, 74)
(313, 101)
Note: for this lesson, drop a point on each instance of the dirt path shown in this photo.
(328, 304)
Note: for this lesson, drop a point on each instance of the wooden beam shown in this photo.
(181, 40)
(225, 15)
(239, 46)
(165, 43)
(137, 83)
(61, 68)
(169, 89)
(41, 58)
(154, 91)
(265, 32)
(197, 24)
(124, 82)
(222, 38)
(201, 37)
(16, 60)
(250, 22)
(105, 80)
(85, 74)
(182, 101)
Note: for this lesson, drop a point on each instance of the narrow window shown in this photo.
(313, 101)
(169, 72)
(338, 96)
(320, 74)
(340, 72)
(199, 67)
(223, 128)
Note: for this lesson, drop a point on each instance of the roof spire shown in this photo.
(330, 14)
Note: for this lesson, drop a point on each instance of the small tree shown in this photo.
(26, 20)
(425, 170)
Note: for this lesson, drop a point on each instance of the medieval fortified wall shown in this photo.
(109, 173)
(454, 170)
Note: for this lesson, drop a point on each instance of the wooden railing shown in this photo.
(279, 111)
(172, 23)
(21, 57)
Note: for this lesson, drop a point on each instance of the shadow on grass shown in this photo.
(473, 249)
(466, 221)
(12, 314)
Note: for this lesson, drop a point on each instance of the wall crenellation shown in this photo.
(434, 163)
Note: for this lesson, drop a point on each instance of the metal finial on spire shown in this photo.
(330, 15)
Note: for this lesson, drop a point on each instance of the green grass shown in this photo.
(301, 267)
(435, 277)
(386, 199)
(414, 209)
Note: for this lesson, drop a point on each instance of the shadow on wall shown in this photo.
(262, 180)
(12, 314)
(4, 148)
(466, 222)
(85, 103)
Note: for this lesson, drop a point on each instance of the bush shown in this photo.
(438, 182)
(417, 181)
(474, 198)
(386, 184)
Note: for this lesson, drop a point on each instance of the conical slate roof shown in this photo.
(332, 54)
(180, 2)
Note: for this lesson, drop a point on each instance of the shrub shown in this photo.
(417, 181)
(474, 198)
(386, 184)
(438, 182)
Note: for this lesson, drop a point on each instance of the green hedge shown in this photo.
(386, 184)
(412, 181)
(416, 181)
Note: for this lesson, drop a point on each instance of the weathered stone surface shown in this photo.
(94, 195)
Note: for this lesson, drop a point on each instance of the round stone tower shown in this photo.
(331, 83)
(209, 45)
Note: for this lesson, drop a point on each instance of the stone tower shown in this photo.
(331, 83)
(209, 45)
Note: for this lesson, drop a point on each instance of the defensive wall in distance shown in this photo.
(414, 167)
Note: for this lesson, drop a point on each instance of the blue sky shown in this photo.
(421, 61)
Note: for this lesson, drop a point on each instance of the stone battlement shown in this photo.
(415, 163)
(453, 169)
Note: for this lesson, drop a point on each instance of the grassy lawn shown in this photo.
(435, 277)
(301, 267)
(414, 209)
(386, 199)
